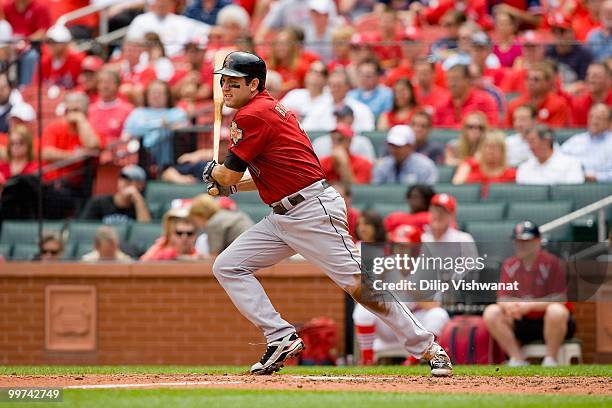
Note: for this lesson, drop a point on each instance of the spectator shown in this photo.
(360, 145)
(370, 228)
(553, 110)
(126, 204)
(488, 165)
(21, 113)
(536, 312)
(464, 98)
(319, 28)
(474, 127)
(599, 40)
(418, 198)
(106, 247)
(109, 113)
(352, 213)
(443, 209)
(60, 65)
(303, 100)
(506, 47)
(404, 165)
(533, 53)
(517, 148)
(362, 49)
(205, 11)
(593, 148)
(412, 48)
(5, 102)
(573, 58)
(450, 23)
(404, 106)
(155, 56)
(321, 117)
(421, 126)
(370, 92)
(173, 30)
(387, 36)
(341, 47)
(288, 59)
(51, 247)
(234, 23)
(221, 226)
(178, 241)
(481, 54)
(87, 82)
(155, 121)
(20, 155)
(528, 14)
(342, 165)
(429, 94)
(135, 71)
(598, 90)
(193, 66)
(548, 166)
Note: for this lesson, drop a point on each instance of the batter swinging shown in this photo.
(308, 216)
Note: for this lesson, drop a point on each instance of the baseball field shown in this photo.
(197, 386)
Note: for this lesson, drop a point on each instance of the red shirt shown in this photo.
(476, 176)
(448, 116)
(546, 277)
(433, 99)
(270, 139)
(581, 104)
(107, 119)
(554, 111)
(65, 75)
(58, 8)
(34, 18)
(418, 220)
(352, 215)
(5, 170)
(515, 81)
(401, 71)
(360, 167)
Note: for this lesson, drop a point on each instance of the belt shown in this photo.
(279, 208)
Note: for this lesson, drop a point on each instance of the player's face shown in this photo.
(440, 219)
(524, 249)
(236, 92)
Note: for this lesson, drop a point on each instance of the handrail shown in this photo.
(91, 9)
(597, 206)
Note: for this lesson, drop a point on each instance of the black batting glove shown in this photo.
(207, 173)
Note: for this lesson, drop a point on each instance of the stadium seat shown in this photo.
(378, 139)
(487, 231)
(442, 135)
(469, 212)
(256, 211)
(6, 249)
(81, 249)
(445, 173)
(313, 134)
(541, 212)
(26, 232)
(466, 193)
(582, 194)
(385, 209)
(561, 135)
(248, 197)
(143, 235)
(363, 194)
(24, 252)
(569, 350)
(517, 192)
(164, 193)
(84, 231)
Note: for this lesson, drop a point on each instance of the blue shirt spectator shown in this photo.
(600, 44)
(593, 148)
(198, 10)
(404, 165)
(378, 98)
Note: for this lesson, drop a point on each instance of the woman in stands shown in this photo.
(488, 165)
(178, 238)
(473, 129)
(288, 59)
(370, 228)
(506, 47)
(20, 155)
(404, 106)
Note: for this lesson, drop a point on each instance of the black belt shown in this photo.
(294, 200)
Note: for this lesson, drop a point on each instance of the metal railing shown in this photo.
(598, 206)
(102, 9)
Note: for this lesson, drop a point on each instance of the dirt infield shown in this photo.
(420, 384)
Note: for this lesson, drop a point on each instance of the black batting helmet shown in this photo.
(244, 65)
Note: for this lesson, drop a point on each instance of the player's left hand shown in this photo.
(223, 191)
(207, 173)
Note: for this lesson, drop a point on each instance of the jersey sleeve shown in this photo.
(248, 136)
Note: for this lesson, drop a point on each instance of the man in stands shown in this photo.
(342, 165)
(106, 247)
(553, 110)
(420, 124)
(61, 65)
(87, 81)
(404, 165)
(593, 148)
(464, 98)
(371, 92)
(537, 311)
(598, 90)
(443, 211)
(573, 58)
(599, 39)
(303, 100)
(517, 147)
(548, 166)
(127, 204)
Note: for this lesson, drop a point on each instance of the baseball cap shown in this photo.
(532, 37)
(400, 135)
(59, 34)
(405, 234)
(23, 111)
(321, 6)
(133, 172)
(558, 20)
(445, 201)
(456, 59)
(525, 231)
(344, 129)
(481, 39)
(343, 111)
(92, 63)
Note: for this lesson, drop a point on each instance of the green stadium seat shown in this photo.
(248, 197)
(378, 139)
(464, 193)
(142, 235)
(517, 192)
(445, 173)
(386, 209)
(26, 232)
(541, 213)
(81, 249)
(164, 193)
(487, 231)
(582, 194)
(469, 212)
(313, 134)
(256, 211)
(84, 231)
(6, 249)
(443, 136)
(24, 252)
(364, 194)
(561, 135)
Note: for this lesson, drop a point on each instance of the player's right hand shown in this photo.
(207, 173)
(215, 189)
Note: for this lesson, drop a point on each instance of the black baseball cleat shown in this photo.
(278, 351)
(439, 361)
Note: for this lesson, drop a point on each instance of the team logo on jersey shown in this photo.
(235, 133)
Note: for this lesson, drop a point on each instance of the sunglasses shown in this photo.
(184, 233)
(475, 127)
(50, 251)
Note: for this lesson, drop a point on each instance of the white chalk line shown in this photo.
(155, 384)
(334, 378)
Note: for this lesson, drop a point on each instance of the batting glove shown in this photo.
(224, 191)
(207, 173)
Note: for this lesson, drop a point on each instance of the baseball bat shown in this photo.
(218, 106)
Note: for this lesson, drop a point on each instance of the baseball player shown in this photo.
(308, 217)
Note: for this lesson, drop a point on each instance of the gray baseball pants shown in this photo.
(317, 229)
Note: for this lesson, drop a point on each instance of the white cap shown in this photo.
(23, 111)
(400, 135)
(59, 34)
(6, 33)
(321, 6)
